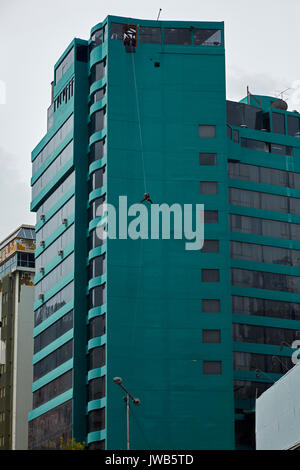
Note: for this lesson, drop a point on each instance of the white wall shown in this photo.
(278, 413)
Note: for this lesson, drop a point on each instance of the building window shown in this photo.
(97, 326)
(150, 35)
(207, 37)
(265, 307)
(97, 237)
(96, 208)
(209, 159)
(96, 420)
(265, 280)
(97, 179)
(212, 367)
(96, 388)
(97, 38)
(98, 71)
(58, 386)
(211, 217)
(210, 246)
(211, 336)
(293, 124)
(64, 65)
(99, 445)
(116, 31)
(53, 332)
(210, 275)
(98, 121)
(97, 357)
(98, 150)
(211, 306)
(97, 296)
(208, 187)
(207, 131)
(98, 95)
(177, 36)
(278, 123)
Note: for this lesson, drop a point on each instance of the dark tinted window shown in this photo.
(211, 217)
(53, 360)
(210, 246)
(257, 145)
(265, 307)
(208, 187)
(97, 122)
(96, 388)
(98, 179)
(116, 31)
(97, 326)
(250, 389)
(211, 336)
(263, 334)
(265, 280)
(293, 123)
(177, 36)
(97, 266)
(97, 296)
(209, 159)
(207, 130)
(265, 253)
(98, 95)
(53, 332)
(54, 304)
(98, 150)
(242, 114)
(98, 71)
(97, 237)
(207, 37)
(210, 275)
(210, 305)
(45, 431)
(97, 357)
(263, 362)
(82, 53)
(97, 207)
(278, 123)
(212, 367)
(150, 35)
(52, 389)
(96, 420)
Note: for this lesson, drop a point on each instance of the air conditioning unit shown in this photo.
(42, 243)
(42, 270)
(43, 217)
(41, 297)
(65, 221)
(60, 253)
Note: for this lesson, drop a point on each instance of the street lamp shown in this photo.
(127, 398)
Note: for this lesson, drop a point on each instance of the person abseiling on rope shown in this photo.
(146, 198)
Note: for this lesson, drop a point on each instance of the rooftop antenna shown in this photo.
(158, 14)
(281, 93)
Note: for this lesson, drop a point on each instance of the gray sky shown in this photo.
(262, 51)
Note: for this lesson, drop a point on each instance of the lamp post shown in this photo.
(127, 398)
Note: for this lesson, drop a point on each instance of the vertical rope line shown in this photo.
(139, 120)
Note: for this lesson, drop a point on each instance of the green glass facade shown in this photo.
(176, 325)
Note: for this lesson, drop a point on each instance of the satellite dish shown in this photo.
(279, 104)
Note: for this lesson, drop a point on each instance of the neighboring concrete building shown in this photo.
(16, 316)
(186, 330)
(278, 414)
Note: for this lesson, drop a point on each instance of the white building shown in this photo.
(278, 414)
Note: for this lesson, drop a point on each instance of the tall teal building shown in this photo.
(196, 335)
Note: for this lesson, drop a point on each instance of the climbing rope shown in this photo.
(139, 122)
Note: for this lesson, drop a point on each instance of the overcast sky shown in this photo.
(262, 51)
